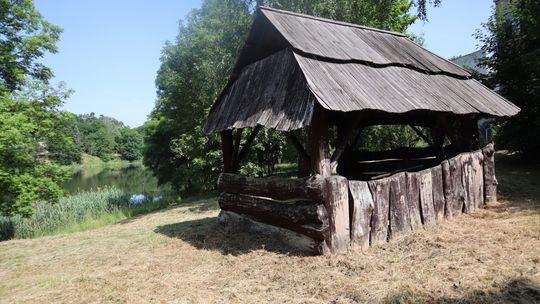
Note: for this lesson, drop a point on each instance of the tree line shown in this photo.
(101, 136)
(36, 137)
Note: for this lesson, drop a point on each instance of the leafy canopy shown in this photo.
(513, 41)
(194, 70)
(24, 37)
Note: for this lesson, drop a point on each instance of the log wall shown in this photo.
(329, 214)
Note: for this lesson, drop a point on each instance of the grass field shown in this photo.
(182, 255)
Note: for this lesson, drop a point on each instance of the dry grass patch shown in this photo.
(182, 255)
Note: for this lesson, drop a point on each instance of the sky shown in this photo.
(109, 51)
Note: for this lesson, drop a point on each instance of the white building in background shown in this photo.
(472, 62)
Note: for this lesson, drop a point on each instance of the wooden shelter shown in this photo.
(304, 76)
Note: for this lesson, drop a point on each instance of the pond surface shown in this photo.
(133, 180)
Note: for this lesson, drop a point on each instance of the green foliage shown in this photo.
(390, 15)
(29, 120)
(129, 144)
(194, 70)
(379, 138)
(98, 134)
(514, 44)
(49, 218)
(25, 37)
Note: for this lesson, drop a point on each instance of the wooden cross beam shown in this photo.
(421, 134)
(238, 158)
(298, 145)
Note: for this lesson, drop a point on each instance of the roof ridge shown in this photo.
(332, 21)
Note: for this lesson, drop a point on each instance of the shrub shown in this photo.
(49, 217)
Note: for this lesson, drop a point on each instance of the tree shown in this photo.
(29, 109)
(29, 120)
(98, 135)
(194, 70)
(129, 144)
(513, 40)
(25, 37)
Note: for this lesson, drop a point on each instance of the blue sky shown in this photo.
(109, 51)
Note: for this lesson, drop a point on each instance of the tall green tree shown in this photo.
(513, 40)
(195, 68)
(129, 144)
(29, 109)
(28, 122)
(24, 38)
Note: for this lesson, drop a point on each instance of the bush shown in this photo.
(49, 217)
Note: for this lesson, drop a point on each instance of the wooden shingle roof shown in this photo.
(292, 61)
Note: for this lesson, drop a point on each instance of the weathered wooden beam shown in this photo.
(490, 180)
(413, 200)
(312, 188)
(477, 190)
(227, 150)
(380, 191)
(425, 184)
(318, 143)
(421, 134)
(398, 153)
(246, 147)
(237, 139)
(345, 132)
(305, 217)
(297, 145)
(337, 205)
(297, 241)
(449, 132)
(438, 192)
(454, 192)
(361, 208)
(399, 220)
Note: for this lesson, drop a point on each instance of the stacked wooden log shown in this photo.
(328, 214)
(390, 207)
(312, 207)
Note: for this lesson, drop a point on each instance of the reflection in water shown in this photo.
(134, 180)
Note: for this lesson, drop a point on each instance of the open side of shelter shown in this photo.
(321, 82)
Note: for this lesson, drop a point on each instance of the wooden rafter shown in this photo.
(245, 147)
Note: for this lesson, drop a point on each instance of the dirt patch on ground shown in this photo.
(182, 255)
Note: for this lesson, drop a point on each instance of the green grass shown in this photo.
(83, 211)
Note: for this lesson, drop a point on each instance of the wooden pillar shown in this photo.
(467, 128)
(227, 149)
(490, 181)
(318, 143)
(337, 206)
(303, 157)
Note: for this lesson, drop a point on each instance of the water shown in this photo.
(133, 180)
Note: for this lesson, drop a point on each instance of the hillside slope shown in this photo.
(182, 255)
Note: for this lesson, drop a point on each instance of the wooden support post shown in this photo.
(399, 216)
(345, 132)
(467, 127)
(422, 135)
(490, 181)
(318, 143)
(361, 208)
(303, 157)
(227, 149)
(380, 221)
(245, 148)
(337, 206)
(237, 139)
(443, 120)
(439, 201)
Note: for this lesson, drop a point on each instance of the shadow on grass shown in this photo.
(518, 290)
(195, 204)
(209, 234)
(519, 182)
